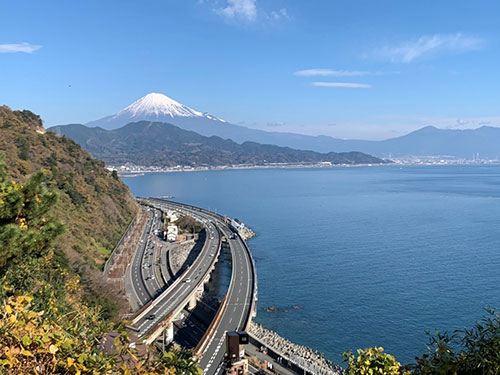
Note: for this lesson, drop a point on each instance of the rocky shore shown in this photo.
(246, 233)
(308, 358)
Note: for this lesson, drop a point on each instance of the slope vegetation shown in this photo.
(94, 206)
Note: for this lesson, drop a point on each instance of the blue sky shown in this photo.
(350, 69)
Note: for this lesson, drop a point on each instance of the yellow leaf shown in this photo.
(6, 362)
(53, 349)
(12, 319)
(8, 309)
(27, 353)
(70, 361)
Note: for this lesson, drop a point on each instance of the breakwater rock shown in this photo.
(246, 233)
(310, 359)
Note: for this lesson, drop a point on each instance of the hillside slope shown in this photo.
(160, 144)
(94, 205)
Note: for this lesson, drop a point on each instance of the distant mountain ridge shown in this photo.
(428, 141)
(159, 144)
(431, 141)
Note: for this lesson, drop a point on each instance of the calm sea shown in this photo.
(371, 256)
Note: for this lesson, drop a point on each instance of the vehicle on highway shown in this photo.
(151, 316)
(188, 280)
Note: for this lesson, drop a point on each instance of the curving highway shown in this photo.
(236, 310)
(177, 295)
(240, 296)
(139, 270)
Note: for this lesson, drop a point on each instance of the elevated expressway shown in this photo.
(237, 307)
(162, 306)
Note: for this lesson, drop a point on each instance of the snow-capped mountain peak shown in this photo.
(158, 105)
(154, 107)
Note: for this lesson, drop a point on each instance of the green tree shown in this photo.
(188, 224)
(26, 227)
(474, 351)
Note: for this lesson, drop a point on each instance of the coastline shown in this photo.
(141, 170)
(135, 171)
(246, 233)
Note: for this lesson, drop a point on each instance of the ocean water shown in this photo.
(370, 255)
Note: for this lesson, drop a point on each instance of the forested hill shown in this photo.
(61, 212)
(94, 206)
(165, 145)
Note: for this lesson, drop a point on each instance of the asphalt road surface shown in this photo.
(240, 294)
(172, 298)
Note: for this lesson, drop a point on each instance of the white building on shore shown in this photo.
(172, 233)
(172, 216)
(237, 224)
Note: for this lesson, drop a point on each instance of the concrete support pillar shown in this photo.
(169, 333)
(192, 302)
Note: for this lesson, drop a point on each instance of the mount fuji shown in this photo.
(154, 107)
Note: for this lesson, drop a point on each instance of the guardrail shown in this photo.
(253, 307)
(160, 327)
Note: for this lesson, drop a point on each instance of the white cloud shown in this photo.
(329, 72)
(342, 84)
(425, 45)
(245, 9)
(278, 14)
(338, 73)
(19, 47)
